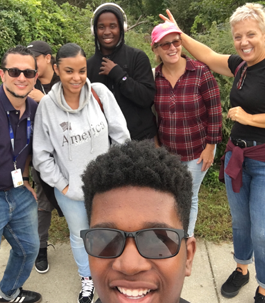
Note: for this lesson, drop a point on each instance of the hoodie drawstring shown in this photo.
(69, 138)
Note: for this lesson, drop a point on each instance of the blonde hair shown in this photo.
(252, 11)
(157, 57)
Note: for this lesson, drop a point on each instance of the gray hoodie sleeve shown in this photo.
(43, 160)
(118, 131)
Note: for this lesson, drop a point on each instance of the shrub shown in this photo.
(219, 38)
(23, 21)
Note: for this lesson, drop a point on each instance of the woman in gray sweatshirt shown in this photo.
(71, 130)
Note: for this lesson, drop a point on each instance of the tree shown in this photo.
(23, 21)
(209, 11)
(183, 12)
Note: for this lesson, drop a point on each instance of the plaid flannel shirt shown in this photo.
(189, 114)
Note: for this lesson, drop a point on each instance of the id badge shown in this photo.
(17, 177)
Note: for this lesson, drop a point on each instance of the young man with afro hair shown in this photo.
(138, 201)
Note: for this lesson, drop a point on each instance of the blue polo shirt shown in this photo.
(20, 137)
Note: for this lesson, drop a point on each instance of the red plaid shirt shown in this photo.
(190, 114)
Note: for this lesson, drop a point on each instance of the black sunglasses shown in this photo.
(151, 243)
(166, 46)
(15, 72)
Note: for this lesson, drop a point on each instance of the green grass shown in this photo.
(214, 219)
(58, 231)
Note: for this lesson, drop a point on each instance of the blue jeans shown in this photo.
(197, 178)
(76, 217)
(19, 225)
(248, 215)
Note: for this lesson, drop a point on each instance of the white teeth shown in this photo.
(246, 51)
(135, 293)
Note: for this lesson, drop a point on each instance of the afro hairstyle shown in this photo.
(140, 164)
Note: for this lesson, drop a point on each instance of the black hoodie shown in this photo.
(131, 80)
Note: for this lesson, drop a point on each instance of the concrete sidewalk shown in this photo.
(212, 266)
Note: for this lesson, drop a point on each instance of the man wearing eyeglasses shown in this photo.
(18, 207)
(138, 201)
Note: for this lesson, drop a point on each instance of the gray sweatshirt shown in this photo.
(66, 140)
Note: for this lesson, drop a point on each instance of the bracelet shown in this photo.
(26, 179)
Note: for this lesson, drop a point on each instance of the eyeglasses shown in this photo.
(151, 243)
(15, 72)
(241, 81)
(166, 46)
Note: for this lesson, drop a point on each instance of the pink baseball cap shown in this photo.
(163, 29)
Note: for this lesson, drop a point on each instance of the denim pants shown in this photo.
(248, 215)
(45, 208)
(76, 217)
(19, 225)
(197, 178)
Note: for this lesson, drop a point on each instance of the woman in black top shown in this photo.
(245, 153)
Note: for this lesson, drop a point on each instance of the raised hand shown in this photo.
(170, 17)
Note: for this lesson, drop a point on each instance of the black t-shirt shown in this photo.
(251, 98)
(45, 88)
(181, 301)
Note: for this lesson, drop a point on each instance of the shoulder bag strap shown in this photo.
(239, 66)
(97, 98)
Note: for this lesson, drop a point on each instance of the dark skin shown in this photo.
(107, 66)
(108, 32)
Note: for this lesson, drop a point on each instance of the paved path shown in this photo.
(212, 265)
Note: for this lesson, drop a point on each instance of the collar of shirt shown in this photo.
(7, 105)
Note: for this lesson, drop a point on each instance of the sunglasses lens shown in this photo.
(29, 73)
(104, 243)
(176, 43)
(15, 72)
(165, 46)
(158, 243)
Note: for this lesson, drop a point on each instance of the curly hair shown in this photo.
(140, 164)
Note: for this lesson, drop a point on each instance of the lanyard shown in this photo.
(43, 90)
(12, 138)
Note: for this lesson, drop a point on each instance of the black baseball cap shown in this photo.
(40, 48)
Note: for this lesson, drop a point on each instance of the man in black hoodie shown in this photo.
(126, 71)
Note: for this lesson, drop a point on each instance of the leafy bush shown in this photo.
(78, 28)
(219, 38)
(23, 21)
(141, 41)
(211, 179)
(209, 11)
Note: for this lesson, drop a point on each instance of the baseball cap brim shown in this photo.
(36, 54)
(40, 48)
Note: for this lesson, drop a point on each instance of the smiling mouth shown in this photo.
(21, 85)
(134, 293)
(247, 51)
(108, 40)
